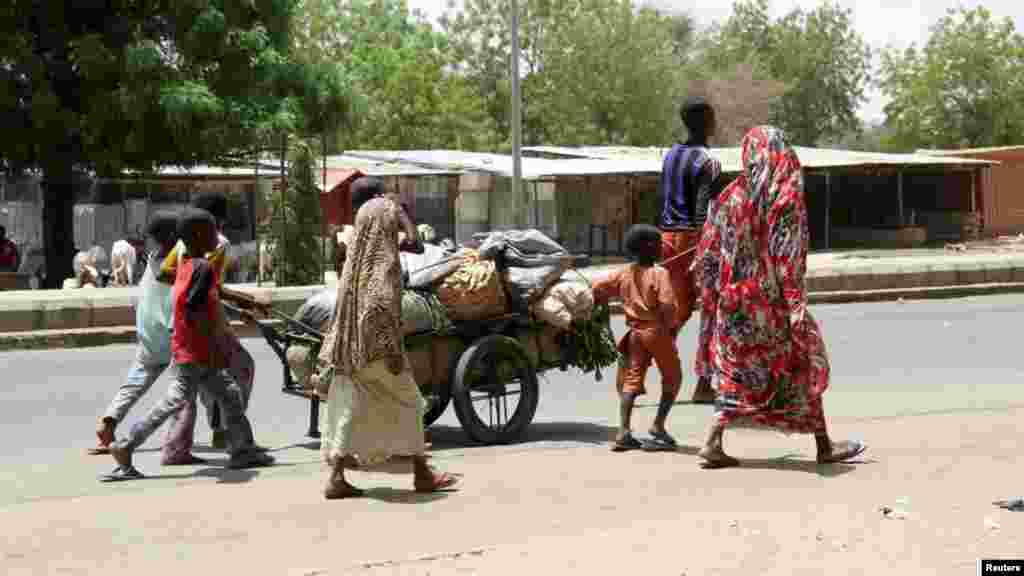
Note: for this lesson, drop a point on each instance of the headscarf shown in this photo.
(752, 257)
(367, 320)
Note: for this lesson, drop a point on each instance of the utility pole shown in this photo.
(517, 167)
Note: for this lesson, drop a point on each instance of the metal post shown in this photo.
(517, 168)
(323, 223)
(899, 197)
(828, 211)
(284, 208)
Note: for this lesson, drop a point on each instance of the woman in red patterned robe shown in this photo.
(757, 339)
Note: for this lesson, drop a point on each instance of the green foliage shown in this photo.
(594, 71)
(964, 87)
(414, 98)
(146, 83)
(298, 260)
(818, 55)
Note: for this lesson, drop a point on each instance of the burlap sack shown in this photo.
(473, 292)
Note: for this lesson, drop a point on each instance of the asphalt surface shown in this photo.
(889, 360)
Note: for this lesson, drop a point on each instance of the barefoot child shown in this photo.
(198, 363)
(153, 321)
(648, 298)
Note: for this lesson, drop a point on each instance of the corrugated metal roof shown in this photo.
(376, 167)
(501, 164)
(1017, 148)
(265, 170)
(812, 158)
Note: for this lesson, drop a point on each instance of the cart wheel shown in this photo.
(495, 390)
(438, 400)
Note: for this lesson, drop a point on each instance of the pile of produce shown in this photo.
(590, 343)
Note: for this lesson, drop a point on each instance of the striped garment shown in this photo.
(688, 176)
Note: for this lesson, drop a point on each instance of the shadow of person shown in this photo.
(450, 437)
(794, 463)
(396, 496)
(225, 475)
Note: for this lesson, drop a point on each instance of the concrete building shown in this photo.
(1002, 200)
(588, 197)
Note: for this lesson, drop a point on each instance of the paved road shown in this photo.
(891, 362)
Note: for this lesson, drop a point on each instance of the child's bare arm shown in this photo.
(608, 288)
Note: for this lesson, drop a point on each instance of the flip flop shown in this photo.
(854, 449)
(442, 482)
(660, 442)
(1015, 505)
(122, 474)
(627, 443)
(98, 451)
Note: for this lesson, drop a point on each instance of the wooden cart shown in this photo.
(493, 383)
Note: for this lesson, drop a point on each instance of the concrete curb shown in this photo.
(90, 337)
(93, 337)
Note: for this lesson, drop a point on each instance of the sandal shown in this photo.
(660, 442)
(626, 443)
(716, 460)
(847, 450)
(439, 483)
(122, 474)
(342, 491)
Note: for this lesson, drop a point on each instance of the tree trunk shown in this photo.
(58, 225)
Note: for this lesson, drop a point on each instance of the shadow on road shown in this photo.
(790, 463)
(451, 437)
(396, 496)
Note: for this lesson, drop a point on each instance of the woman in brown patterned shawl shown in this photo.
(374, 407)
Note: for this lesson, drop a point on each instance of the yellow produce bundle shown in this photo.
(474, 291)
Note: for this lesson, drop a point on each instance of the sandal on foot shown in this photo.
(717, 460)
(342, 491)
(626, 443)
(439, 483)
(660, 442)
(99, 450)
(122, 474)
(843, 452)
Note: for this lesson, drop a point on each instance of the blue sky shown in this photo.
(896, 23)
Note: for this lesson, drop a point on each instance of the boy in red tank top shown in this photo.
(198, 362)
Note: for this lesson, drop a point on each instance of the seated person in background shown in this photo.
(9, 258)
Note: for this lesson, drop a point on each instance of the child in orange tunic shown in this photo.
(649, 302)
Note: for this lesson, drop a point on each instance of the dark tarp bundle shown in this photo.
(425, 270)
(532, 263)
(316, 312)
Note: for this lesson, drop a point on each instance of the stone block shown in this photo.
(105, 315)
(70, 313)
(830, 282)
(999, 274)
(19, 315)
(969, 272)
(854, 281)
(943, 276)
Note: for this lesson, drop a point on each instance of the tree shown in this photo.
(818, 54)
(299, 256)
(99, 88)
(414, 98)
(594, 71)
(964, 87)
